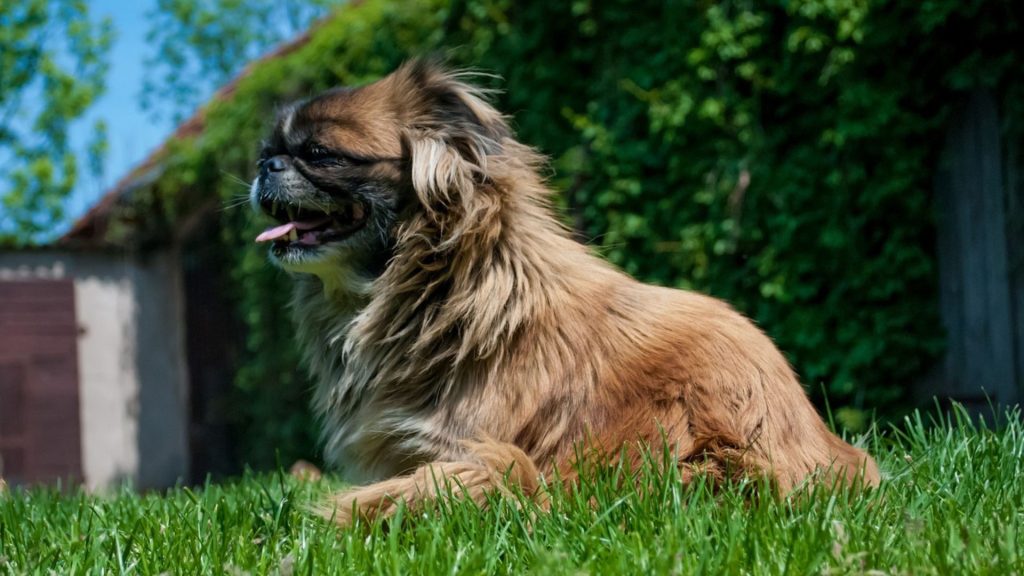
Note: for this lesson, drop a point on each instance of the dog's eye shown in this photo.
(316, 153)
(320, 156)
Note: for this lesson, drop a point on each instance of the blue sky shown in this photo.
(133, 134)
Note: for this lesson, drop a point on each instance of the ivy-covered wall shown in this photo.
(778, 154)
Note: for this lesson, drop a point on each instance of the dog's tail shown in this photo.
(488, 466)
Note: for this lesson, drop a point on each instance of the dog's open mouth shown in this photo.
(305, 227)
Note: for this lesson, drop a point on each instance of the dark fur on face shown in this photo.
(343, 199)
(456, 331)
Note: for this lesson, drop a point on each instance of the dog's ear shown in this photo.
(450, 133)
(441, 98)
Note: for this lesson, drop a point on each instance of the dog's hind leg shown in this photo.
(487, 466)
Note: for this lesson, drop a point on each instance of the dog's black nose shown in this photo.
(277, 163)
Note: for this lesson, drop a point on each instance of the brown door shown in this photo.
(39, 421)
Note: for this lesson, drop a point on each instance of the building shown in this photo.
(115, 362)
(92, 368)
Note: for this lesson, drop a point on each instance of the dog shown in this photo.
(456, 331)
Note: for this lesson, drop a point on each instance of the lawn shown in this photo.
(953, 503)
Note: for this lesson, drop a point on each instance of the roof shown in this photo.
(90, 229)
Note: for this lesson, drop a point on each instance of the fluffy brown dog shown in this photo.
(457, 332)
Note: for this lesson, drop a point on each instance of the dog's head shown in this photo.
(343, 171)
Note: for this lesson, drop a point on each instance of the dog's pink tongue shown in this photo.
(283, 230)
(276, 232)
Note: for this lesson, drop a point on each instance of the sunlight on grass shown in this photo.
(952, 504)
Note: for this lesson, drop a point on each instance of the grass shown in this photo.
(953, 504)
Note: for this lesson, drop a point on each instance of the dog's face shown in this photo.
(331, 176)
(342, 170)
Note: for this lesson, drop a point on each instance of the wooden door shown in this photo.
(979, 255)
(40, 438)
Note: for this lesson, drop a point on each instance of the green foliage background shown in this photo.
(197, 45)
(53, 61)
(777, 154)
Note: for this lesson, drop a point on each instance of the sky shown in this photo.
(132, 132)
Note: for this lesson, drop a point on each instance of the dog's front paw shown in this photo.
(366, 502)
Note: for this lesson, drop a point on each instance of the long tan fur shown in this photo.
(492, 343)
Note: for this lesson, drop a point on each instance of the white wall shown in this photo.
(133, 390)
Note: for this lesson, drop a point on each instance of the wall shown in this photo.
(132, 385)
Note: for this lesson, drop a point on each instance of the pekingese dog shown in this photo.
(455, 329)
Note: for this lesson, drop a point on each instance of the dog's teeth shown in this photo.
(293, 235)
(357, 211)
(291, 214)
(273, 208)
